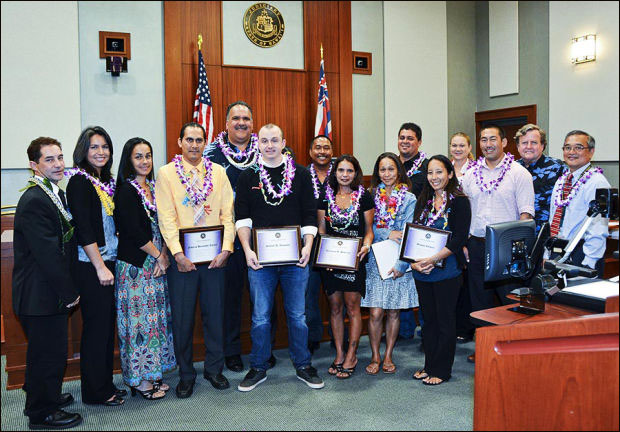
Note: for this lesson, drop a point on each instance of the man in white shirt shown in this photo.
(571, 197)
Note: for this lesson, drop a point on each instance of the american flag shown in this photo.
(323, 124)
(203, 111)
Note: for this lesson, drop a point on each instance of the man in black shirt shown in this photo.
(273, 193)
(415, 163)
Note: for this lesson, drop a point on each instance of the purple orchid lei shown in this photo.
(196, 197)
(587, 174)
(416, 163)
(336, 214)
(386, 207)
(430, 214)
(108, 188)
(493, 184)
(470, 164)
(152, 206)
(287, 180)
(315, 179)
(250, 152)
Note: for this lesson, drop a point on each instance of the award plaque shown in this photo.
(277, 245)
(201, 244)
(338, 252)
(421, 242)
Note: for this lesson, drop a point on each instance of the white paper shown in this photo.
(386, 254)
(7, 236)
(600, 289)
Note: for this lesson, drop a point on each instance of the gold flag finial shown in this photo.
(199, 41)
(321, 51)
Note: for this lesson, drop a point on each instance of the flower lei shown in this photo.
(493, 184)
(585, 176)
(430, 214)
(105, 191)
(195, 196)
(288, 173)
(251, 152)
(470, 164)
(416, 164)
(63, 214)
(152, 206)
(315, 179)
(336, 214)
(386, 208)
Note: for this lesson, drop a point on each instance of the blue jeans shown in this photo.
(313, 313)
(408, 324)
(263, 283)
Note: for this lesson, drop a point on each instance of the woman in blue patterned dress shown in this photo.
(394, 206)
(143, 308)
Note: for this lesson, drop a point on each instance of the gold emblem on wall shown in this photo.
(263, 25)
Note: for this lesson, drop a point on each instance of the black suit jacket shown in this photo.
(43, 281)
(133, 225)
(85, 207)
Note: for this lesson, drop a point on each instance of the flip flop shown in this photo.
(347, 371)
(428, 383)
(389, 368)
(372, 368)
(420, 374)
(335, 366)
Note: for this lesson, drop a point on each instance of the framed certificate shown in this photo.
(277, 245)
(201, 244)
(338, 252)
(421, 242)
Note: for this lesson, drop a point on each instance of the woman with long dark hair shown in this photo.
(142, 304)
(346, 210)
(441, 205)
(90, 194)
(394, 206)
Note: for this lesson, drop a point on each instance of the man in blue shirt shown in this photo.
(531, 142)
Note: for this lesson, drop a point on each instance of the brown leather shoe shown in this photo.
(471, 358)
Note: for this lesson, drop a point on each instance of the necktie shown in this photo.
(63, 200)
(199, 209)
(559, 212)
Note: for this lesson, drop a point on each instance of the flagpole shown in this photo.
(199, 41)
(321, 51)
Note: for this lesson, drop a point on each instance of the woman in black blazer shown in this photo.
(441, 205)
(90, 197)
(142, 303)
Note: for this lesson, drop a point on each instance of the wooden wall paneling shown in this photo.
(201, 17)
(346, 78)
(247, 85)
(321, 23)
(173, 73)
(285, 105)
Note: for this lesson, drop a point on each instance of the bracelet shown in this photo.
(367, 245)
(157, 257)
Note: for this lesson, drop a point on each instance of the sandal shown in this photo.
(346, 371)
(151, 394)
(335, 366)
(420, 374)
(389, 368)
(161, 385)
(429, 383)
(373, 368)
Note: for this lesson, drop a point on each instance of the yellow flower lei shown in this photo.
(106, 200)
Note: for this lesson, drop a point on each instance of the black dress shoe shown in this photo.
(64, 400)
(185, 389)
(271, 362)
(218, 381)
(120, 392)
(463, 339)
(234, 363)
(57, 420)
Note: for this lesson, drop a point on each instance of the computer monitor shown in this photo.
(504, 242)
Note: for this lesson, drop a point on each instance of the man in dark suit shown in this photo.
(43, 288)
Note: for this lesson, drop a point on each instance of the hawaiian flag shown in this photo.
(203, 111)
(323, 124)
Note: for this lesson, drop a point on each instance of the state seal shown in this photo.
(263, 25)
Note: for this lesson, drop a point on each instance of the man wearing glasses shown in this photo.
(531, 142)
(571, 198)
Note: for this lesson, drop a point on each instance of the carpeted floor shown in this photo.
(363, 402)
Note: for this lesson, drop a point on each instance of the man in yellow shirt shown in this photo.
(193, 192)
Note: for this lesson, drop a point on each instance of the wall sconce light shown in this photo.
(583, 49)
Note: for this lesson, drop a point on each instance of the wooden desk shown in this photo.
(557, 370)
(502, 316)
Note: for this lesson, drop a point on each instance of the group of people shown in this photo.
(113, 247)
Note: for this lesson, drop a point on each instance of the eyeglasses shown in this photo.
(577, 148)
